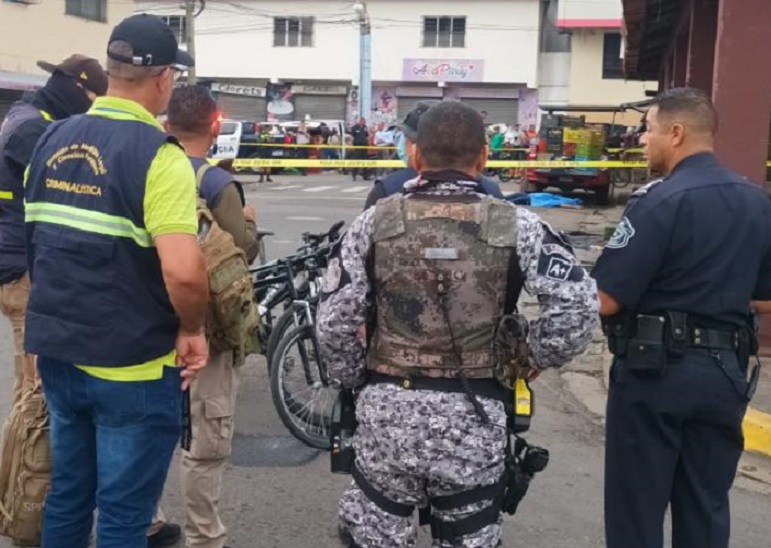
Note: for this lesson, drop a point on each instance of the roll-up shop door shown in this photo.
(499, 111)
(405, 104)
(320, 107)
(7, 98)
(235, 107)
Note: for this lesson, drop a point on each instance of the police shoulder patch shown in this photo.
(624, 232)
(558, 264)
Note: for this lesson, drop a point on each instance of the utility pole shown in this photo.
(365, 60)
(190, 36)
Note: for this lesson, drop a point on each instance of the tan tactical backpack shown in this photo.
(25, 469)
(233, 320)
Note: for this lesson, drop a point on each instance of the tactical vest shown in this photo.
(98, 295)
(12, 255)
(441, 268)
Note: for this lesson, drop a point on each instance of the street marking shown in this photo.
(356, 189)
(319, 188)
(287, 187)
(305, 219)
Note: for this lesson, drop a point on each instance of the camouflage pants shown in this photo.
(412, 445)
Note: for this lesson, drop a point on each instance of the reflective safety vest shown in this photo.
(12, 255)
(98, 295)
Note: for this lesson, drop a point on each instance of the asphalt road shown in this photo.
(279, 494)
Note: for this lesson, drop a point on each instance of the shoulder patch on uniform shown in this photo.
(558, 264)
(624, 232)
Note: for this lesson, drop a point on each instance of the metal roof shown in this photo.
(21, 81)
(649, 27)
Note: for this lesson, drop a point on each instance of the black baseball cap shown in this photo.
(85, 70)
(152, 42)
(410, 124)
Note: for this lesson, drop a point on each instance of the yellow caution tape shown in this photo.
(391, 164)
(331, 164)
(290, 145)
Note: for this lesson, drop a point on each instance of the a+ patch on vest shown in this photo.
(556, 263)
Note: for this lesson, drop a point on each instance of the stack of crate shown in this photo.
(584, 144)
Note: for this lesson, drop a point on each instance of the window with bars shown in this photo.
(444, 32)
(293, 32)
(178, 24)
(612, 63)
(93, 10)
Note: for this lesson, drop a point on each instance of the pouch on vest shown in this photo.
(25, 469)
(233, 320)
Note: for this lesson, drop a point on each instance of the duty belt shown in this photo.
(487, 388)
(700, 337)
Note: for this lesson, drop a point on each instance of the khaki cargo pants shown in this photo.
(212, 409)
(13, 304)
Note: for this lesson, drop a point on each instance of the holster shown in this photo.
(511, 350)
(647, 350)
(618, 329)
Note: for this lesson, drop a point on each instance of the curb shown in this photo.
(757, 432)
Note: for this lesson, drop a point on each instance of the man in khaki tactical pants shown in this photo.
(192, 119)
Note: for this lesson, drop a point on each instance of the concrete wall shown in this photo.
(41, 31)
(587, 87)
(238, 42)
(554, 79)
(590, 13)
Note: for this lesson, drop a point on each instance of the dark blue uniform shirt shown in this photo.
(698, 242)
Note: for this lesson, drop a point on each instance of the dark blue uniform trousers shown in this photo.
(673, 439)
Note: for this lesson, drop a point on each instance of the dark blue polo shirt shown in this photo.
(698, 242)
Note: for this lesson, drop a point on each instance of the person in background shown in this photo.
(497, 142)
(360, 138)
(395, 182)
(266, 137)
(72, 87)
(302, 139)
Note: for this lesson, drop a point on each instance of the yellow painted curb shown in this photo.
(757, 432)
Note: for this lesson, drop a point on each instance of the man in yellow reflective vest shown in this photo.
(119, 294)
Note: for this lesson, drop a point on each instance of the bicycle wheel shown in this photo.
(504, 175)
(304, 403)
(285, 322)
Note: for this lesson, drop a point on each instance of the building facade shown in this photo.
(272, 58)
(50, 30)
(581, 62)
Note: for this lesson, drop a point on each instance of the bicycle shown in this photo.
(306, 277)
(299, 384)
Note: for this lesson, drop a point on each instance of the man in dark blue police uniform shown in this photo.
(395, 181)
(676, 281)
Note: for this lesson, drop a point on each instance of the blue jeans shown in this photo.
(112, 444)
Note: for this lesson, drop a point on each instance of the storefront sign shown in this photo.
(443, 70)
(236, 89)
(320, 90)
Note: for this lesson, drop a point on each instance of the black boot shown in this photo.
(167, 535)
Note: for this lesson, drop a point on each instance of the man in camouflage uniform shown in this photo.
(428, 272)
